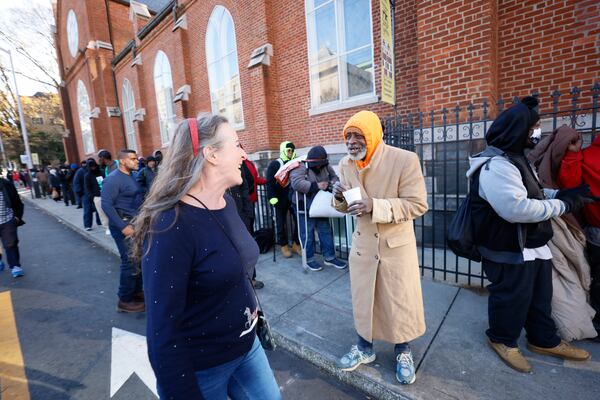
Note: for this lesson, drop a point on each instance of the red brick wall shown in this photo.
(456, 52)
(447, 53)
(548, 45)
(121, 26)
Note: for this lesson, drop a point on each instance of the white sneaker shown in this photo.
(88, 229)
(17, 272)
(107, 231)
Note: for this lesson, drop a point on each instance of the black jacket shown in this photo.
(11, 198)
(508, 134)
(90, 184)
(78, 181)
(241, 196)
(274, 189)
(145, 178)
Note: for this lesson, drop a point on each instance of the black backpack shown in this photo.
(264, 237)
(460, 238)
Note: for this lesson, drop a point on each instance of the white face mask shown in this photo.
(536, 136)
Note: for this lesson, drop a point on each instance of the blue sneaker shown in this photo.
(405, 368)
(17, 272)
(314, 266)
(351, 360)
(335, 263)
(2, 266)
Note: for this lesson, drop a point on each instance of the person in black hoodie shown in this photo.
(11, 216)
(91, 189)
(511, 227)
(281, 199)
(78, 184)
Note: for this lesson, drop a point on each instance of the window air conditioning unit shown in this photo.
(139, 114)
(113, 111)
(95, 113)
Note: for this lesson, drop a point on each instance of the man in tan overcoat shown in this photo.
(384, 269)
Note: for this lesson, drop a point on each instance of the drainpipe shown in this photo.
(112, 69)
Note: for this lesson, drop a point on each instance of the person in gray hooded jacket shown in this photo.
(307, 180)
(511, 227)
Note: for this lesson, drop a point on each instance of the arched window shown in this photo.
(84, 111)
(163, 85)
(128, 114)
(223, 71)
(72, 33)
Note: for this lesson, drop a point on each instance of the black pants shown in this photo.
(10, 241)
(521, 297)
(281, 216)
(593, 253)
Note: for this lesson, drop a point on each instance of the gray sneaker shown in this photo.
(351, 360)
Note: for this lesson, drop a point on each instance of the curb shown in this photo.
(356, 379)
(90, 237)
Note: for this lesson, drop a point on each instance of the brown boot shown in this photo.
(139, 297)
(285, 251)
(130, 307)
(297, 249)
(564, 350)
(511, 356)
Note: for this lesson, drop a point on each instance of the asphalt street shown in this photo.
(65, 316)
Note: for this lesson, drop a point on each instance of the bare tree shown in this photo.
(28, 28)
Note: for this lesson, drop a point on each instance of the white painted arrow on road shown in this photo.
(129, 355)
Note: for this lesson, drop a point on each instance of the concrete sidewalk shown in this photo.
(311, 315)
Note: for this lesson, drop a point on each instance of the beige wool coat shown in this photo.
(384, 269)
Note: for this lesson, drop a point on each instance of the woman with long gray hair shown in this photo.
(196, 257)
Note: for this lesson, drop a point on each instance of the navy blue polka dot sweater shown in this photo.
(200, 306)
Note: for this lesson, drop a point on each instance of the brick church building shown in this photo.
(297, 69)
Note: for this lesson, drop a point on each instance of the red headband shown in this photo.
(194, 135)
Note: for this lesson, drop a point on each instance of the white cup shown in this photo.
(352, 195)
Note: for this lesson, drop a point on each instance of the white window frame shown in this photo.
(220, 57)
(166, 118)
(85, 113)
(129, 114)
(344, 101)
(72, 33)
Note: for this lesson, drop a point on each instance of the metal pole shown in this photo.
(21, 117)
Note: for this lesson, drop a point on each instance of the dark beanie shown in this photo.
(534, 108)
(317, 153)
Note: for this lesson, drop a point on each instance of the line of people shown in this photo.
(197, 263)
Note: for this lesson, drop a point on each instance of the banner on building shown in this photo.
(388, 89)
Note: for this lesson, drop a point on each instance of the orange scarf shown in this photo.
(368, 123)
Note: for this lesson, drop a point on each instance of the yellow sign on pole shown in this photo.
(388, 89)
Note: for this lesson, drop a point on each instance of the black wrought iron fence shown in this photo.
(444, 140)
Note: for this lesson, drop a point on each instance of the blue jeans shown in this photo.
(248, 377)
(88, 211)
(131, 278)
(325, 232)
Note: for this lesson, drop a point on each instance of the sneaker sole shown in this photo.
(407, 383)
(313, 269)
(539, 350)
(333, 265)
(366, 361)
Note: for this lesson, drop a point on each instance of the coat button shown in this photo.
(358, 253)
(358, 233)
(377, 257)
(377, 235)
